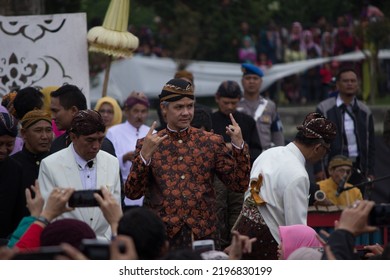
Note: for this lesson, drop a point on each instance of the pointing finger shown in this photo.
(152, 127)
(232, 119)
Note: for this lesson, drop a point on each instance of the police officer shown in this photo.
(269, 125)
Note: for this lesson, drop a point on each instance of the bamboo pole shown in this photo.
(107, 76)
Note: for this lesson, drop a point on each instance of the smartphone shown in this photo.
(95, 249)
(203, 245)
(361, 251)
(42, 253)
(380, 215)
(84, 198)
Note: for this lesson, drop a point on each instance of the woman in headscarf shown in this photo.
(110, 110)
(46, 107)
(294, 237)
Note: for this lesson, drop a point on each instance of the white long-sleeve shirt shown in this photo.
(285, 187)
(124, 137)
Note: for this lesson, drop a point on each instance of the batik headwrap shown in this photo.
(137, 98)
(87, 122)
(35, 116)
(8, 102)
(8, 125)
(316, 126)
(184, 74)
(176, 89)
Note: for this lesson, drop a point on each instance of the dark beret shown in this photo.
(250, 69)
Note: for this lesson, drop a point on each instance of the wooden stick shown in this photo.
(107, 76)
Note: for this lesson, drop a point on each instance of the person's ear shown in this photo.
(72, 136)
(317, 148)
(74, 110)
(23, 134)
(163, 109)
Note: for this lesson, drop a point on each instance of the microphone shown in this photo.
(340, 187)
(319, 195)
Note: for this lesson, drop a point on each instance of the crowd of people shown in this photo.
(227, 176)
(274, 43)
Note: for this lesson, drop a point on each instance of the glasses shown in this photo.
(343, 170)
(110, 112)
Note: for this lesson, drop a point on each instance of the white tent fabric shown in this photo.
(149, 74)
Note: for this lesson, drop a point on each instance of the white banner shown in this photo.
(45, 50)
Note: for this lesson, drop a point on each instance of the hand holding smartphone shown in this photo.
(84, 198)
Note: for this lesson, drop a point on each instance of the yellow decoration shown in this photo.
(112, 38)
(255, 190)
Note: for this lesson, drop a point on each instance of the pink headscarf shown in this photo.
(297, 236)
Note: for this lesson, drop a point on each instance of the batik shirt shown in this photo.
(178, 182)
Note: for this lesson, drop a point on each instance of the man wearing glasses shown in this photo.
(336, 189)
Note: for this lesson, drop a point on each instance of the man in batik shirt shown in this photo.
(174, 169)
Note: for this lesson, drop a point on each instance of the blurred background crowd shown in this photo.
(264, 33)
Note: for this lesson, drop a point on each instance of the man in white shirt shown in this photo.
(279, 186)
(124, 136)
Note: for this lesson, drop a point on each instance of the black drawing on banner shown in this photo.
(31, 32)
(18, 72)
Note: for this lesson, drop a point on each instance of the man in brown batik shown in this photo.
(174, 169)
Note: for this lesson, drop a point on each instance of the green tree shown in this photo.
(375, 35)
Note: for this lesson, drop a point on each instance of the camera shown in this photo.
(84, 198)
(380, 215)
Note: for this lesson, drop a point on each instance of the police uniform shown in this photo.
(269, 125)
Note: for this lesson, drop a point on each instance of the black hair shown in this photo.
(309, 142)
(202, 119)
(345, 69)
(26, 100)
(69, 96)
(147, 230)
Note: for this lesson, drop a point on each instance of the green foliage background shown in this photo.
(207, 29)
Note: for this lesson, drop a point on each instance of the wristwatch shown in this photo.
(43, 220)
